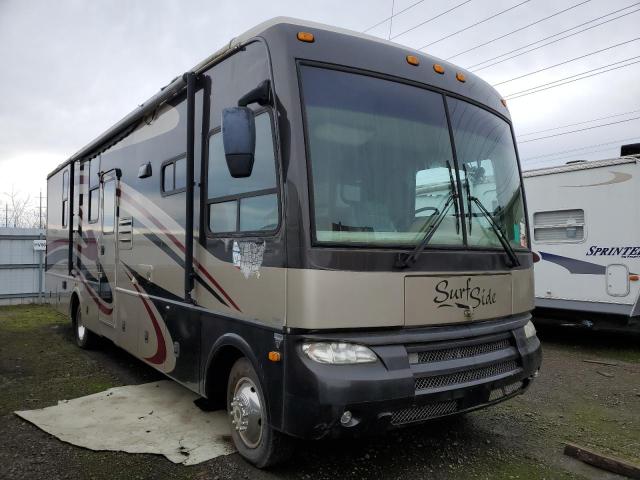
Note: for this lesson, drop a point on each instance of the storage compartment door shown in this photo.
(617, 280)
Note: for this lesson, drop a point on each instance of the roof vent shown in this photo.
(631, 149)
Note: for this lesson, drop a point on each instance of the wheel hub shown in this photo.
(245, 411)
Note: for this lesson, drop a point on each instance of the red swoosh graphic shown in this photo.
(179, 244)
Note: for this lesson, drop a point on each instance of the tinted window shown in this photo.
(94, 204)
(65, 185)
(180, 171)
(109, 210)
(167, 177)
(380, 156)
(263, 176)
(259, 213)
(487, 157)
(222, 216)
(93, 171)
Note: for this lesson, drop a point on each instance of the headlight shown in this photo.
(529, 330)
(338, 353)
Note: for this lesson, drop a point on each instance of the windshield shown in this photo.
(382, 163)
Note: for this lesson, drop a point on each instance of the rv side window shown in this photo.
(65, 197)
(94, 204)
(93, 179)
(558, 226)
(174, 176)
(244, 204)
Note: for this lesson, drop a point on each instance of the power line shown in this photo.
(567, 61)
(578, 123)
(475, 24)
(431, 19)
(474, 69)
(518, 30)
(573, 156)
(580, 130)
(530, 91)
(393, 5)
(392, 16)
(555, 154)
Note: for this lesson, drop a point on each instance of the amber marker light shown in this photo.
(274, 356)
(438, 68)
(413, 60)
(460, 77)
(306, 37)
(634, 278)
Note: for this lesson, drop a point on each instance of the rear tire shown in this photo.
(84, 337)
(251, 431)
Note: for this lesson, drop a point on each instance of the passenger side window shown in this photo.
(65, 198)
(174, 176)
(244, 204)
(93, 180)
(565, 226)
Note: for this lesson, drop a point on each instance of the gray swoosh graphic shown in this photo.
(618, 177)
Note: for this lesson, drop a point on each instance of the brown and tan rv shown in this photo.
(323, 232)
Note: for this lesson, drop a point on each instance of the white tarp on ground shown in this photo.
(158, 417)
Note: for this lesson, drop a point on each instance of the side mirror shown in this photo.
(239, 139)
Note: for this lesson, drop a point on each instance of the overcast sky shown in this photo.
(72, 68)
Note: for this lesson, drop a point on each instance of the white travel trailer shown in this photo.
(584, 219)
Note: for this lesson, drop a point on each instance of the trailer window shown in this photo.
(566, 226)
(65, 197)
(244, 204)
(174, 176)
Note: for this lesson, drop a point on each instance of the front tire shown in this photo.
(84, 337)
(252, 434)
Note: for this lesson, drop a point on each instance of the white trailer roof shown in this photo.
(582, 165)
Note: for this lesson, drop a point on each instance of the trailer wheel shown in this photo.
(85, 338)
(252, 434)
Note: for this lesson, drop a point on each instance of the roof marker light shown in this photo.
(413, 60)
(460, 77)
(504, 102)
(306, 37)
(438, 68)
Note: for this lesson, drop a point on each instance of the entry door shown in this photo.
(107, 253)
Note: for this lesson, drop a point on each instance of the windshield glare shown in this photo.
(382, 163)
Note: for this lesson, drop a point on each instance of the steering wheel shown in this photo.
(423, 209)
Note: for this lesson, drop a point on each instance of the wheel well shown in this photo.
(73, 306)
(218, 374)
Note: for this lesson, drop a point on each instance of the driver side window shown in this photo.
(241, 205)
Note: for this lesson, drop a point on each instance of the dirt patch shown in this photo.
(522, 438)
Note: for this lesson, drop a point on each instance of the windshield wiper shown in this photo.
(496, 228)
(431, 224)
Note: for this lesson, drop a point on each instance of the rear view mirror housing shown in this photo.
(239, 139)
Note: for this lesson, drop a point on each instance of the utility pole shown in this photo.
(40, 211)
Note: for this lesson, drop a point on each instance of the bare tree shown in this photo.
(19, 211)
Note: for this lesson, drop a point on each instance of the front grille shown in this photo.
(424, 412)
(463, 351)
(465, 376)
(505, 391)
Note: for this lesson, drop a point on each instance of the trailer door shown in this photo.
(107, 254)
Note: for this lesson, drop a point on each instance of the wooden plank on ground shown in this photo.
(600, 362)
(605, 462)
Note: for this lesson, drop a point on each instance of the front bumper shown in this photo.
(423, 373)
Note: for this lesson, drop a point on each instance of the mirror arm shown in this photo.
(260, 95)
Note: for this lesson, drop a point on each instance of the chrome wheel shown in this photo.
(80, 328)
(246, 414)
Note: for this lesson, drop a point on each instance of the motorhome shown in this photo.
(320, 231)
(584, 219)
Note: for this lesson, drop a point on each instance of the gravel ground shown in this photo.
(591, 404)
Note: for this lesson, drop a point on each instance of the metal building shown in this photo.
(21, 265)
